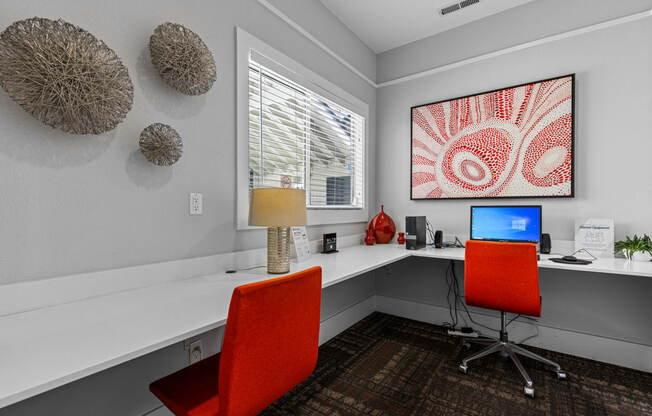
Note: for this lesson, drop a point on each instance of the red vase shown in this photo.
(401, 238)
(383, 226)
(370, 239)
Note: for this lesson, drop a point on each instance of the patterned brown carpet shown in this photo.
(390, 366)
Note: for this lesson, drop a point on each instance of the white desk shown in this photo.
(48, 347)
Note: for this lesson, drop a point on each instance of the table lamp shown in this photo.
(277, 209)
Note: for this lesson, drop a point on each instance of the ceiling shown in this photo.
(387, 24)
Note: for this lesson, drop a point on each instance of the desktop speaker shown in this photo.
(415, 233)
(545, 245)
(439, 239)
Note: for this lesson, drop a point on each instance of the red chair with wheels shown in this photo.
(504, 277)
(270, 345)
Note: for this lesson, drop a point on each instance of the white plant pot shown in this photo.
(641, 256)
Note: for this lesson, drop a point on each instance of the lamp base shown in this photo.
(278, 250)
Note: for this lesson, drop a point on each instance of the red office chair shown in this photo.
(505, 277)
(270, 346)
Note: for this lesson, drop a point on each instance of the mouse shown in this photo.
(569, 258)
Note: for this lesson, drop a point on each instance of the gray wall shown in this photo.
(612, 107)
(531, 21)
(606, 305)
(76, 204)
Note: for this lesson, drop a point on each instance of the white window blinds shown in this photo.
(300, 139)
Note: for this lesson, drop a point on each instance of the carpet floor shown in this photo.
(390, 366)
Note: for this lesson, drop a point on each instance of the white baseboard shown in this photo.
(626, 354)
(337, 323)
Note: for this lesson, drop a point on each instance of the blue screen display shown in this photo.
(506, 223)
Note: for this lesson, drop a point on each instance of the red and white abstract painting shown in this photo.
(514, 142)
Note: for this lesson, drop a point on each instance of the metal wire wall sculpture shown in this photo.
(64, 76)
(161, 144)
(182, 58)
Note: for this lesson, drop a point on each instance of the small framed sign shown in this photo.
(595, 235)
(301, 243)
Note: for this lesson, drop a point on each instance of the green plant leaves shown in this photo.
(629, 246)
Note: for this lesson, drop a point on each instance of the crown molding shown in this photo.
(475, 59)
(316, 41)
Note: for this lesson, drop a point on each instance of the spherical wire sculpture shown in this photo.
(64, 76)
(183, 60)
(161, 144)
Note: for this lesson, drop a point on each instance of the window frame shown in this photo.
(292, 70)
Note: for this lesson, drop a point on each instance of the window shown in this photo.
(300, 139)
(297, 129)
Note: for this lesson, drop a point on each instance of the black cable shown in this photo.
(430, 232)
(513, 319)
(459, 299)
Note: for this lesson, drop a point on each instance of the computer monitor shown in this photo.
(513, 223)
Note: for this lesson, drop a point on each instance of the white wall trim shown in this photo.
(608, 350)
(316, 41)
(542, 41)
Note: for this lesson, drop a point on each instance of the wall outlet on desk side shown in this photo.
(196, 351)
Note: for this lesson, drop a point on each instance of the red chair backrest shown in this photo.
(270, 341)
(502, 276)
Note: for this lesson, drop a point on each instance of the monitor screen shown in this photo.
(519, 223)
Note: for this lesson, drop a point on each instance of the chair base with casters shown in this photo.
(511, 350)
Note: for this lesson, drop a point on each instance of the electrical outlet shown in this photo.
(196, 203)
(196, 351)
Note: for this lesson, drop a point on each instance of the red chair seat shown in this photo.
(184, 395)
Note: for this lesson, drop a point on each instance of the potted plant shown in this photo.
(635, 248)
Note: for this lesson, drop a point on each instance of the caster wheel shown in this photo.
(529, 392)
(561, 375)
(463, 369)
(466, 345)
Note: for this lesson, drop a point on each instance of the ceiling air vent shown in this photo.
(457, 6)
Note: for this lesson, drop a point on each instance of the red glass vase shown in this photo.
(370, 239)
(401, 238)
(383, 226)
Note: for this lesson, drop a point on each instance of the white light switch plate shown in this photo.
(196, 203)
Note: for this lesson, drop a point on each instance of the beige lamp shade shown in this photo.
(277, 207)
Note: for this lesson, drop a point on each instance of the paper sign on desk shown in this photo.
(596, 235)
(301, 243)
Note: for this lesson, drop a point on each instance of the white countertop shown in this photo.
(45, 348)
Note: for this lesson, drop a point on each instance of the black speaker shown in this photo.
(546, 244)
(439, 239)
(415, 233)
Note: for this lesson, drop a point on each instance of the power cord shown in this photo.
(431, 233)
(245, 269)
(454, 289)
(575, 252)
(453, 305)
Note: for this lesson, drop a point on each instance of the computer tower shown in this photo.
(415, 232)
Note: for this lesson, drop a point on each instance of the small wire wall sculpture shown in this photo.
(183, 60)
(64, 76)
(161, 144)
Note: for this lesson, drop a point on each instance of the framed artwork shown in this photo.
(515, 142)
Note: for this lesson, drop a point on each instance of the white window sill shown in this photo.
(322, 217)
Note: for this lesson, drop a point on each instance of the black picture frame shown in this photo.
(572, 190)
